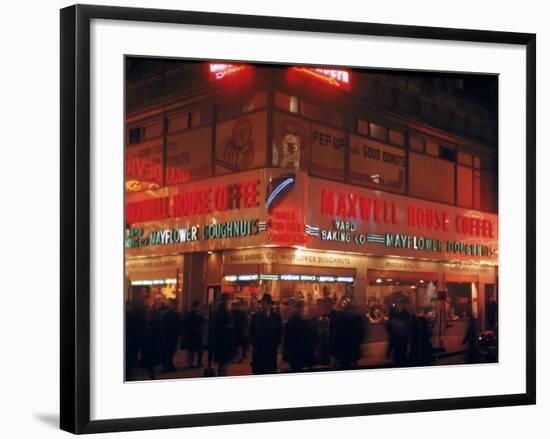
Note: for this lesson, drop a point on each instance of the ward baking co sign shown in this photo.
(425, 223)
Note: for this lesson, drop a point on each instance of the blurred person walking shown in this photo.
(349, 334)
(300, 339)
(265, 336)
(492, 314)
(399, 326)
(240, 317)
(192, 340)
(169, 334)
(224, 335)
(135, 323)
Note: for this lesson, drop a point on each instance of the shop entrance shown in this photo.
(154, 292)
(387, 288)
(316, 287)
(459, 300)
(155, 281)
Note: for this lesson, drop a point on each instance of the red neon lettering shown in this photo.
(254, 193)
(142, 211)
(365, 205)
(352, 206)
(335, 77)
(474, 226)
(411, 216)
(341, 209)
(327, 202)
(378, 211)
(221, 198)
(219, 70)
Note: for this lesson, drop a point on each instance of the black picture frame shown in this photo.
(75, 217)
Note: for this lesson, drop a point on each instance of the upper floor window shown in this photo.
(378, 132)
(286, 102)
(136, 135)
(257, 101)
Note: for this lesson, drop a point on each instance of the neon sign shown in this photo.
(240, 277)
(335, 77)
(286, 228)
(349, 205)
(221, 70)
(180, 235)
(289, 277)
(277, 188)
(242, 195)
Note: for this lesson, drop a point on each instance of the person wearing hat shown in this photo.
(265, 336)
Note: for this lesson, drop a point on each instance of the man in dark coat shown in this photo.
(300, 339)
(193, 325)
(492, 313)
(151, 346)
(169, 335)
(224, 336)
(349, 333)
(399, 326)
(265, 336)
(240, 317)
(135, 329)
(425, 338)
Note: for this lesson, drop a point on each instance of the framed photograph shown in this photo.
(274, 218)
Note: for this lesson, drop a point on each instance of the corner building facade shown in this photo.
(310, 184)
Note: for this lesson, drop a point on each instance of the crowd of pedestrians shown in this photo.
(230, 332)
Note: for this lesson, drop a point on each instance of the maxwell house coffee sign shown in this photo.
(210, 214)
(350, 218)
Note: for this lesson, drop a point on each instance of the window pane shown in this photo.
(363, 127)
(432, 148)
(135, 135)
(447, 153)
(195, 119)
(153, 131)
(286, 102)
(255, 102)
(431, 178)
(464, 159)
(416, 143)
(488, 193)
(477, 190)
(178, 122)
(464, 189)
(228, 110)
(397, 137)
(378, 132)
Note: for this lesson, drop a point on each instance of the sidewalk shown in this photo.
(373, 356)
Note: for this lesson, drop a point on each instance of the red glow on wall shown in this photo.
(336, 77)
(221, 70)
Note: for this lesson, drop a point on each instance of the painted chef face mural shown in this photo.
(238, 150)
(289, 145)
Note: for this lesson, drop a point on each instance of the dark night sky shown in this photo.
(479, 89)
